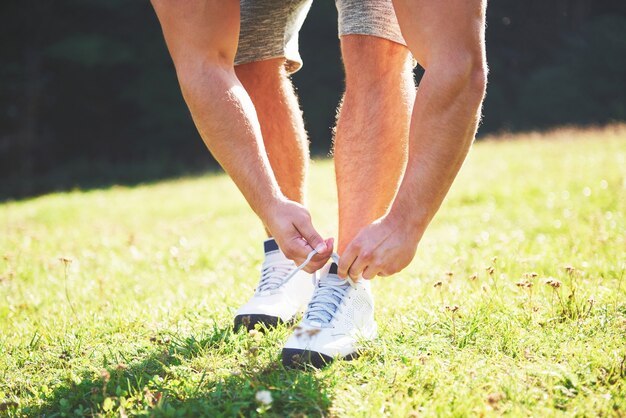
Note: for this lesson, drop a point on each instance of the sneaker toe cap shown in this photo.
(323, 341)
(298, 358)
(274, 305)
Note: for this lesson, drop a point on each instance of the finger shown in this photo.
(313, 239)
(320, 260)
(370, 272)
(345, 262)
(357, 267)
(322, 257)
(313, 267)
(330, 244)
(296, 249)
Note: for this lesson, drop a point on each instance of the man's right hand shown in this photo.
(291, 226)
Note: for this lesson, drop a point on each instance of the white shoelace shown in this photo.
(274, 275)
(327, 296)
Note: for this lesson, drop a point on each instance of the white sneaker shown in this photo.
(340, 314)
(278, 297)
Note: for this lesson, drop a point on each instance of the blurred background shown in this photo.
(89, 97)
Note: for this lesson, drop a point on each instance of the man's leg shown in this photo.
(282, 126)
(285, 140)
(267, 54)
(202, 38)
(370, 156)
(266, 81)
(372, 130)
(447, 37)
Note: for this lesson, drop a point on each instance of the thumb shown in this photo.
(310, 235)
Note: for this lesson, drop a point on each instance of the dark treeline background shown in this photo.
(88, 94)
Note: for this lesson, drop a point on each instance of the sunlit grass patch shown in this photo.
(120, 301)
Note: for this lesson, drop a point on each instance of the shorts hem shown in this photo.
(389, 37)
(385, 37)
(292, 64)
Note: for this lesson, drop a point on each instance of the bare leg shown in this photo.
(282, 126)
(447, 37)
(372, 130)
(202, 38)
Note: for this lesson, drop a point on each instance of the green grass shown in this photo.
(137, 320)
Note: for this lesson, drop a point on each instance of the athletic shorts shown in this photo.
(269, 28)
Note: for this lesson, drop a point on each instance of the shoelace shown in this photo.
(335, 258)
(328, 293)
(274, 275)
(327, 296)
(271, 274)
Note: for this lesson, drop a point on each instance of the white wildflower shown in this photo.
(264, 397)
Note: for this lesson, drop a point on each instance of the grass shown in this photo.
(119, 302)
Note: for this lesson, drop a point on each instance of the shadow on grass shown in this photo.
(87, 175)
(155, 385)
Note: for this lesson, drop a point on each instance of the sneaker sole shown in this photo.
(295, 358)
(250, 320)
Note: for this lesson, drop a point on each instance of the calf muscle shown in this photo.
(282, 125)
(448, 38)
(372, 130)
(202, 39)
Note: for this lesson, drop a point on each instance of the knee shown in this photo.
(195, 71)
(472, 71)
(375, 64)
(462, 72)
(262, 75)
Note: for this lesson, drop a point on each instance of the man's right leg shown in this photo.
(202, 37)
(267, 55)
(272, 93)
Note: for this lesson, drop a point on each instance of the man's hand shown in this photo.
(381, 249)
(290, 224)
(447, 37)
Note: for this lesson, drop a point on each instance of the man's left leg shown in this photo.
(370, 156)
(372, 130)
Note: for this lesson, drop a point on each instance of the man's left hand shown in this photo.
(381, 249)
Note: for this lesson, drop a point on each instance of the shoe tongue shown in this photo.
(328, 279)
(333, 268)
(270, 245)
(272, 252)
(331, 278)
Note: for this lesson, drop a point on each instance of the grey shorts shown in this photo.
(269, 28)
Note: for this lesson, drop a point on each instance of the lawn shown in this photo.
(119, 302)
